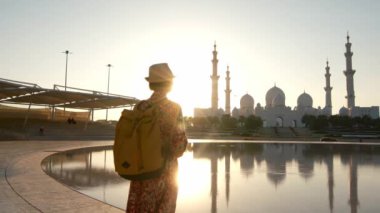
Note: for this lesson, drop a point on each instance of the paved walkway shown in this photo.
(24, 187)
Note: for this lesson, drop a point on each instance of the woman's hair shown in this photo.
(160, 85)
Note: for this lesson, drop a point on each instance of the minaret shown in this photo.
(349, 73)
(228, 92)
(214, 79)
(328, 89)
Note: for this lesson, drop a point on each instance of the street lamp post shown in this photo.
(108, 86)
(67, 59)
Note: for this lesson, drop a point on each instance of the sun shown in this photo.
(190, 63)
(189, 96)
(191, 86)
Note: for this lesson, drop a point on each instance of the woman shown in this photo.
(160, 194)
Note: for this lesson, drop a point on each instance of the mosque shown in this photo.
(275, 112)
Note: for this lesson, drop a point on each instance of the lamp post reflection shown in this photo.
(105, 180)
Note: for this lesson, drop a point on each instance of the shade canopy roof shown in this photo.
(10, 88)
(26, 93)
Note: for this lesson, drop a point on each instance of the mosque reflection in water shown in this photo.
(245, 177)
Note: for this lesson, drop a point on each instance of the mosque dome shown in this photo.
(259, 108)
(271, 94)
(305, 100)
(343, 111)
(306, 171)
(279, 100)
(235, 112)
(279, 172)
(246, 101)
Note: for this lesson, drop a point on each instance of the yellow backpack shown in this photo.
(138, 147)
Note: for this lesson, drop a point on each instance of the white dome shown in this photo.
(235, 112)
(271, 94)
(279, 100)
(246, 101)
(343, 111)
(305, 100)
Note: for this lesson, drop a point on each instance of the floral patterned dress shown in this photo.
(159, 195)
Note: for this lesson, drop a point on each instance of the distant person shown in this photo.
(160, 194)
(71, 121)
(41, 130)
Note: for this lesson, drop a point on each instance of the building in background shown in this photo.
(275, 113)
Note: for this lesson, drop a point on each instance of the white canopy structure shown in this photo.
(16, 92)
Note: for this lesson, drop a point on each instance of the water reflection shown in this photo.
(76, 169)
(257, 177)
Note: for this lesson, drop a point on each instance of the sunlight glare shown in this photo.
(191, 86)
(193, 177)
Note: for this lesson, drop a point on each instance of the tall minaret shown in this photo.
(349, 73)
(214, 79)
(328, 89)
(228, 92)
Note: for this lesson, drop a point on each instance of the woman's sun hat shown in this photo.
(159, 73)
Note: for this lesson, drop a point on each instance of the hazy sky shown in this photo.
(264, 42)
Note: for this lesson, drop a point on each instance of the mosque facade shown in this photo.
(275, 112)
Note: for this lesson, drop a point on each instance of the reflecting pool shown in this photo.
(243, 177)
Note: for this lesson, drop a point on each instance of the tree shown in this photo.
(188, 121)
(213, 121)
(308, 120)
(241, 121)
(200, 122)
(315, 123)
(376, 123)
(320, 123)
(228, 122)
(253, 122)
(366, 122)
(346, 121)
(334, 120)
